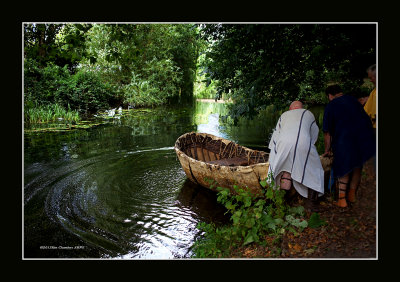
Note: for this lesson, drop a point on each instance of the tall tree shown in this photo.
(160, 56)
(61, 44)
(262, 64)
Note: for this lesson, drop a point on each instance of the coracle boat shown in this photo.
(212, 162)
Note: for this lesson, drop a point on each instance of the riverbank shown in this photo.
(349, 232)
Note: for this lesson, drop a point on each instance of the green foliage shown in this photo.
(252, 217)
(264, 64)
(41, 83)
(153, 90)
(315, 221)
(83, 91)
(94, 67)
(50, 112)
(60, 44)
(151, 63)
(204, 87)
(202, 90)
(320, 144)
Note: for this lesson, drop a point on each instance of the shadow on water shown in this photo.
(203, 202)
(117, 190)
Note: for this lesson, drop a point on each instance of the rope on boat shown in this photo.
(258, 157)
(230, 153)
(241, 149)
(223, 151)
(236, 150)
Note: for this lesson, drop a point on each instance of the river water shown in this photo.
(117, 190)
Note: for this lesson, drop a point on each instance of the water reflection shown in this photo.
(192, 204)
(212, 127)
(253, 133)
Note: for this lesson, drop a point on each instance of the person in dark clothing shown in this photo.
(349, 135)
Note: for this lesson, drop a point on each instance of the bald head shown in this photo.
(296, 105)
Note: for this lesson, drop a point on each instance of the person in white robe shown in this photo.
(294, 161)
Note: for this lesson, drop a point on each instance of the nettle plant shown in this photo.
(252, 218)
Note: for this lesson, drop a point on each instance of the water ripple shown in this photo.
(118, 203)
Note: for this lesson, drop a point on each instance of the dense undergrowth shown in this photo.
(252, 220)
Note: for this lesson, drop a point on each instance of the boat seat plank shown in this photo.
(213, 156)
(200, 156)
(206, 156)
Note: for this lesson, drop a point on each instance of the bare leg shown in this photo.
(342, 184)
(312, 200)
(286, 181)
(354, 183)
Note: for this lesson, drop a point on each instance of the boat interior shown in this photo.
(217, 151)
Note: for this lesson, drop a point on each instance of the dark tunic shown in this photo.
(353, 139)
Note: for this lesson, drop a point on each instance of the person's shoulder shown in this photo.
(342, 100)
(292, 113)
(285, 113)
(373, 91)
(353, 100)
(348, 98)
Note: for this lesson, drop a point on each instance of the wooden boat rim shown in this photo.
(216, 138)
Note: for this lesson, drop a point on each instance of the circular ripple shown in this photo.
(118, 203)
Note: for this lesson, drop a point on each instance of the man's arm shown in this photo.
(327, 141)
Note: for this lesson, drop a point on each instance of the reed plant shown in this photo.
(50, 112)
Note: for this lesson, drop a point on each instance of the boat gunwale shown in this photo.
(219, 138)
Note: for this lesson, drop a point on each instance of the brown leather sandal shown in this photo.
(291, 180)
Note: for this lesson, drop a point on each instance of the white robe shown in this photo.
(293, 150)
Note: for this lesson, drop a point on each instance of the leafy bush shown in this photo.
(158, 83)
(85, 92)
(204, 89)
(252, 218)
(41, 84)
(315, 221)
